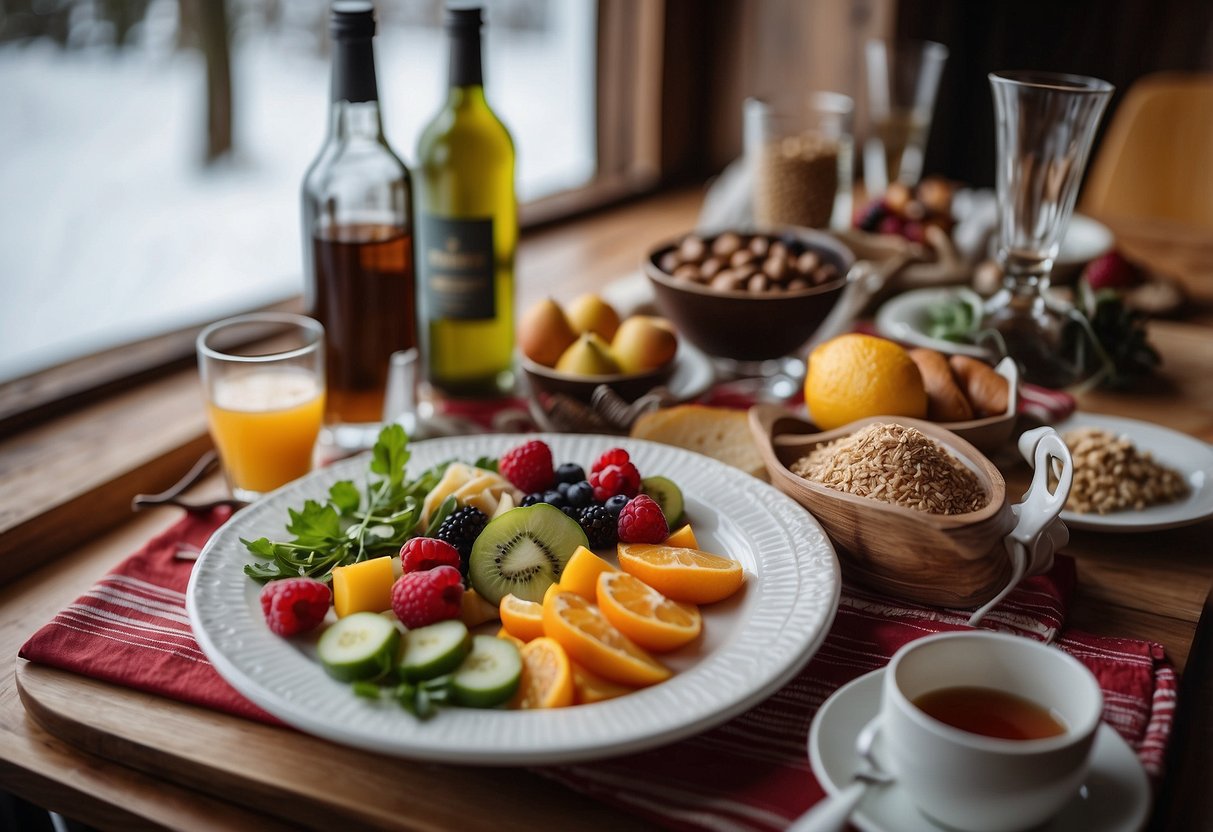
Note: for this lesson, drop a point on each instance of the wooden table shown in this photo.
(65, 489)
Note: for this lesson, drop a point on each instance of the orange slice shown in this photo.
(521, 619)
(682, 574)
(645, 615)
(684, 537)
(590, 687)
(547, 677)
(581, 573)
(517, 642)
(591, 640)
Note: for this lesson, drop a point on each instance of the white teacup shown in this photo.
(978, 783)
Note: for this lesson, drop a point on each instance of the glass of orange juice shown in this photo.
(263, 380)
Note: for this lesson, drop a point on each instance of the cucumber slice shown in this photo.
(667, 495)
(434, 650)
(359, 646)
(489, 675)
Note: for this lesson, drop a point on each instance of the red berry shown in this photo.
(1111, 272)
(295, 605)
(615, 479)
(422, 553)
(529, 466)
(641, 521)
(615, 456)
(890, 225)
(421, 598)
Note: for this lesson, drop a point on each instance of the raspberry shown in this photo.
(1110, 272)
(615, 456)
(615, 479)
(295, 605)
(599, 525)
(641, 521)
(529, 466)
(421, 598)
(422, 553)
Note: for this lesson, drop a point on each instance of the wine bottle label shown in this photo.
(457, 268)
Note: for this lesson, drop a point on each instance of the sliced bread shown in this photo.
(719, 432)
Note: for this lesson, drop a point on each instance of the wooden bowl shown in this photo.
(956, 560)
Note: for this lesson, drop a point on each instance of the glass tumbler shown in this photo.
(798, 151)
(263, 382)
(1045, 125)
(903, 78)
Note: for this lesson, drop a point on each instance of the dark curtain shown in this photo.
(1116, 40)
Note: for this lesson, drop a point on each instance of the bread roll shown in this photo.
(988, 392)
(946, 402)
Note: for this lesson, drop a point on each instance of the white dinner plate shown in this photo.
(1114, 798)
(752, 643)
(1186, 454)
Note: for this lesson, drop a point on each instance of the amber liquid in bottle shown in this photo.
(360, 268)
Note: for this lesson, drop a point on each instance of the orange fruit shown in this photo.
(855, 376)
(684, 537)
(590, 687)
(519, 643)
(581, 573)
(645, 615)
(521, 619)
(547, 677)
(681, 574)
(591, 640)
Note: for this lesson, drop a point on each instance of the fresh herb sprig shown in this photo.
(353, 524)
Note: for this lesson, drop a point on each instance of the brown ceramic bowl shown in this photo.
(741, 326)
(629, 386)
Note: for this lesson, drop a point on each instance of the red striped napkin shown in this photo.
(750, 773)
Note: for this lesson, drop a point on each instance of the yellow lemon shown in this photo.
(855, 376)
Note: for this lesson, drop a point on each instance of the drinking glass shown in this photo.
(263, 382)
(903, 78)
(1045, 125)
(799, 154)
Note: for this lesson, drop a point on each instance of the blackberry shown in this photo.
(615, 504)
(580, 494)
(461, 530)
(570, 472)
(599, 525)
(532, 498)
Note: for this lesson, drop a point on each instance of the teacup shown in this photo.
(972, 781)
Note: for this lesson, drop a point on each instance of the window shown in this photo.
(115, 226)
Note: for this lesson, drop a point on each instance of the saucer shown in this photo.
(1186, 454)
(1115, 798)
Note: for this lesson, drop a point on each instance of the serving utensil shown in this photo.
(831, 814)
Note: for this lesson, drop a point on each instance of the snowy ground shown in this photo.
(113, 230)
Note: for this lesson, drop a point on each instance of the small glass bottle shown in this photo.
(468, 228)
(358, 238)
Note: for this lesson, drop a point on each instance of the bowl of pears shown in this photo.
(572, 349)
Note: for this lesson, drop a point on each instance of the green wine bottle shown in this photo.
(467, 222)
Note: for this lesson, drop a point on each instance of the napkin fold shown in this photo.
(751, 773)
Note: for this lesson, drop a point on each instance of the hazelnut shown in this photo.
(757, 283)
(692, 249)
(710, 267)
(726, 281)
(686, 272)
(726, 244)
(807, 262)
(741, 257)
(776, 268)
(797, 283)
(825, 274)
(778, 249)
(669, 261)
(760, 246)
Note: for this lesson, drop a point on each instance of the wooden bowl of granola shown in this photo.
(947, 550)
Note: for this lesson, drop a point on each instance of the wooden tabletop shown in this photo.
(188, 768)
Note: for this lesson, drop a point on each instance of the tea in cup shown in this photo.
(988, 732)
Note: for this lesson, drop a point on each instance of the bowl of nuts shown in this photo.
(751, 296)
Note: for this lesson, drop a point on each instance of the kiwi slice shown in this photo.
(434, 649)
(489, 675)
(667, 495)
(523, 551)
(359, 646)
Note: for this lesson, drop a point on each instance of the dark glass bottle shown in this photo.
(468, 228)
(358, 232)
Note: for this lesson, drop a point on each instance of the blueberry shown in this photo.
(563, 488)
(572, 512)
(570, 472)
(615, 504)
(580, 494)
(555, 498)
(532, 499)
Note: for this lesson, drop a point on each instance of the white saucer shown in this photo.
(1115, 798)
(1186, 454)
(905, 318)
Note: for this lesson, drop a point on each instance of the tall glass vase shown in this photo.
(1045, 126)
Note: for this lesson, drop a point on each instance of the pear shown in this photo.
(544, 333)
(643, 343)
(589, 355)
(590, 313)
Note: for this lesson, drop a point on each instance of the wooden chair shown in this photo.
(1156, 160)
